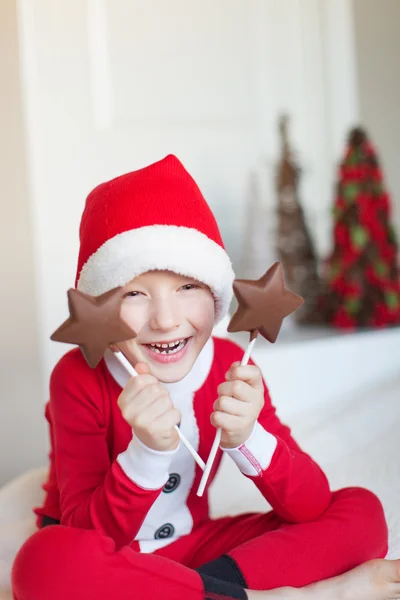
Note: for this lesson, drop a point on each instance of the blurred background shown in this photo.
(91, 89)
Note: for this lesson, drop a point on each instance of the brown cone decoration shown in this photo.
(294, 243)
(94, 324)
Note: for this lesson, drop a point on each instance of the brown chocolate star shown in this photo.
(263, 304)
(94, 324)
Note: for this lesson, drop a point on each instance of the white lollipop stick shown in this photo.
(125, 362)
(217, 440)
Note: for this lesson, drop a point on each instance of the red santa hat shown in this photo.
(155, 218)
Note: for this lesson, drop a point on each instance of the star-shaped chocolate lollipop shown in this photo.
(263, 304)
(94, 324)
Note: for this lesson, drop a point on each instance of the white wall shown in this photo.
(109, 88)
(22, 427)
(94, 107)
(377, 43)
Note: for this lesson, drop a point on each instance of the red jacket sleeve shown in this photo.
(95, 493)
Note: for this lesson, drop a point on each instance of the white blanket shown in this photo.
(356, 442)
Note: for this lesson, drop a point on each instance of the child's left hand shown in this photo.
(240, 400)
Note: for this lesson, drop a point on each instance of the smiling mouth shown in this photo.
(168, 347)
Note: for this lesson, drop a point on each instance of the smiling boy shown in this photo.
(121, 491)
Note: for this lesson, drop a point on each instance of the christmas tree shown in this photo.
(294, 243)
(362, 276)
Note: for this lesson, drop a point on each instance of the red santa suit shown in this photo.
(102, 479)
(131, 524)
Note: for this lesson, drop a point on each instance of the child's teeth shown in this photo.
(170, 348)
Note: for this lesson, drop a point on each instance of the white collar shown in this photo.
(190, 383)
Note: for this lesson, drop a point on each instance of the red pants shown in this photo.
(60, 563)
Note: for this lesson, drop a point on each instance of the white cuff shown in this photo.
(146, 467)
(255, 454)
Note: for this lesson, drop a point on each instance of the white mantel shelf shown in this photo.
(310, 366)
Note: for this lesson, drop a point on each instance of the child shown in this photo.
(121, 491)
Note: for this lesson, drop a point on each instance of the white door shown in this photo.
(112, 85)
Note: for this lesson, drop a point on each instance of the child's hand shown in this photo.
(241, 398)
(147, 406)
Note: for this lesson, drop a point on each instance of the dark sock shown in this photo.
(225, 568)
(223, 578)
(48, 521)
(216, 589)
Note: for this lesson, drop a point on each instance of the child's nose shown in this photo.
(164, 316)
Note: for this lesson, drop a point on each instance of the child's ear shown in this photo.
(114, 348)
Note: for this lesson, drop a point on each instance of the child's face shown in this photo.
(165, 308)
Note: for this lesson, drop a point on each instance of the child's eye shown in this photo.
(132, 294)
(189, 286)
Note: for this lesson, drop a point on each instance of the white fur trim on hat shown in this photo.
(183, 250)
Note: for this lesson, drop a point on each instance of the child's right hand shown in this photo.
(147, 406)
